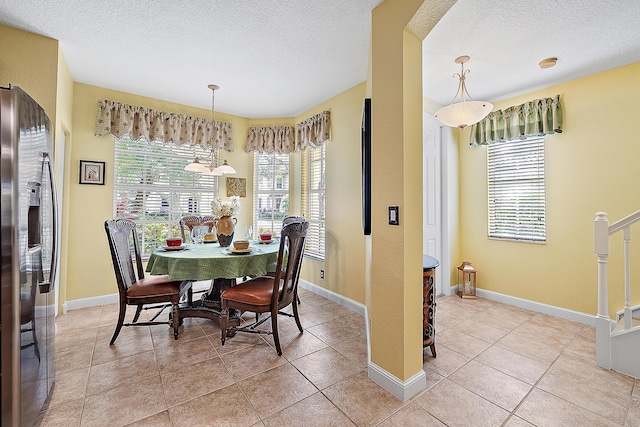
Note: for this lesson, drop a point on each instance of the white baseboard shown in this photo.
(90, 302)
(538, 307)
(337, 298)
(331, 296)
(403, 390)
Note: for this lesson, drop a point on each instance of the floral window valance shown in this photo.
(314, 131)
(311, 133)
(121, 119)
(271, 139)
(534, 118)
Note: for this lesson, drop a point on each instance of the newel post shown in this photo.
(603, 322)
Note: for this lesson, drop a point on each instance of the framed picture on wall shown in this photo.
(91, 172)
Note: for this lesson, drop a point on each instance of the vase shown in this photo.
(224, 227)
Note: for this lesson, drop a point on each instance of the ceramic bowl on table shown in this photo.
(240, 244)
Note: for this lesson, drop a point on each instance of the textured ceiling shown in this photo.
(279, 58)
(506, 40)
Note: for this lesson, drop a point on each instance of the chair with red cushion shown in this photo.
(269, 294)
(140, 290)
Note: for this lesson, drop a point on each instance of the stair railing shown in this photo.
(602, 232)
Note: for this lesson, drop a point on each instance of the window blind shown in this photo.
(516, 194)
(271, 191)
(152, 188)
(313, 200)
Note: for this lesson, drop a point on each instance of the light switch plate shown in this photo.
(393, 216)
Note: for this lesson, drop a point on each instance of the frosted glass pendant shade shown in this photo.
(196, 166)
(463, 114)
(224, 169)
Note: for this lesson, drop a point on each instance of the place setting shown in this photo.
(265, 238)
(174, 244)
(240, 247)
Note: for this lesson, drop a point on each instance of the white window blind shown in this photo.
(152, 188)
(313, 200)
(271, 191)
(517, 190)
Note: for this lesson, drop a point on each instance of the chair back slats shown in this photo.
(290, 254)
(190, 221)
(119, 234)
(290, 219)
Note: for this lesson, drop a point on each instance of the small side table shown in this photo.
(429, 265)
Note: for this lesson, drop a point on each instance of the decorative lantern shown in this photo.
(467, 280)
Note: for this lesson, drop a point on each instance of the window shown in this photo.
(152, 188)
(271, 192)
(517, 190)
(313, 200)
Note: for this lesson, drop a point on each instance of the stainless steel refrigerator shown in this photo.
(29, 245)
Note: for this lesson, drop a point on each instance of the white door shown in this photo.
(431, 188)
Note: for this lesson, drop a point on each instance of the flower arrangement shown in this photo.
(226, 207)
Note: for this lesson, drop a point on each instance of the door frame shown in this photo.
(447, 209)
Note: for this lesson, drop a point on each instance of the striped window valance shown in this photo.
(534, 118)
(138, 122)
(314, 131)
(271, 139)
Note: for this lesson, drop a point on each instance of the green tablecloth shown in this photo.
(210, 261)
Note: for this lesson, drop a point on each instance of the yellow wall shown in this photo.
(90, 272)
(344, 263)
(396, 275)
(592, 166)
(31, 62)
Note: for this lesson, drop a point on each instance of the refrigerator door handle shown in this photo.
(47, 285)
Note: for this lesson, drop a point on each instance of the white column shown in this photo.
(603, 322)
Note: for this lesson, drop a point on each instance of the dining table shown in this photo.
(208, 261)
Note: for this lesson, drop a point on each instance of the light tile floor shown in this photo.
(497, 365)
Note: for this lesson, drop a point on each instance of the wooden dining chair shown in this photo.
(289, 219)
(190, 221)
(139, 291)
(269, 294)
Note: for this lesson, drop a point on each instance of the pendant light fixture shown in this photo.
(213, 168)
(466, 112)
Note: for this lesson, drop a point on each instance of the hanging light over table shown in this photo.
(212, 168)
(466, 112)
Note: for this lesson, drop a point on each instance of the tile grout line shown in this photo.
(513, 413)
